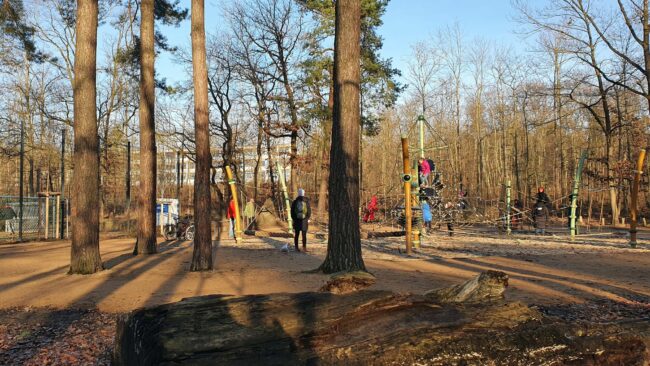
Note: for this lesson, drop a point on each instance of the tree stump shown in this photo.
(347, 282)
(489, 285)
(369, 327)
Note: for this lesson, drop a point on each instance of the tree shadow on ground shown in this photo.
(105, 288)
(543, 283)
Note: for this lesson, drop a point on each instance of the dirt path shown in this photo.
(542, 272)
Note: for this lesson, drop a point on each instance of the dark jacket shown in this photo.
(540, 215)
(543, 198)
(294, 212)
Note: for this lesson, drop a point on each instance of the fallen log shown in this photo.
(369, 327)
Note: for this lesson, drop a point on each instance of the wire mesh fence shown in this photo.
(42, 218)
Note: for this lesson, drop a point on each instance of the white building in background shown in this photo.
(173, 165)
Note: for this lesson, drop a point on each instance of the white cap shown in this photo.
(301, 192)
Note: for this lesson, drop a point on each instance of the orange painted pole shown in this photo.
(635, 195)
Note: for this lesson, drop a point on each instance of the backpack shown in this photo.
(301, 210)
(432, 165)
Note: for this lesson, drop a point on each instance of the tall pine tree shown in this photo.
(202, 257)
(344, 241)
(85, 258)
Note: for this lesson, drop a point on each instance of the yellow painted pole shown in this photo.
(233, 191)
(635, 194)
(407, 193)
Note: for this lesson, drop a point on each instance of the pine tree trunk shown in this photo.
(322, 189)
(344, 241)
(202, 256)
(324, 179)
(85, 257)
(147, 205)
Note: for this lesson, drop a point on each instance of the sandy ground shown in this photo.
(542, 270)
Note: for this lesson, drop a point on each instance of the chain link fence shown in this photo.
(43, 218)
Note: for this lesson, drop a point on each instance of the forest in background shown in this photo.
(493, 114)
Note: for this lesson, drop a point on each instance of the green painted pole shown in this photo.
(574, 194)
(407, 177)
(287, 203)
(421, 129)
(508, 228)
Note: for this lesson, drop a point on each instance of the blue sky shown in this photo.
(405, 22)
(409, 21)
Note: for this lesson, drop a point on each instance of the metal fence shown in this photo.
(43, 218)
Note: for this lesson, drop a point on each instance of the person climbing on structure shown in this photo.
(300, 214)
(371, 208)
(423, 171)
(427, 217)
(432, 172)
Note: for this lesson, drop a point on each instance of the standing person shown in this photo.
(543, 197)
(540, 215)
(300, 214)
(426, 215)
(370, 210)
(249, 212)
(230, 214)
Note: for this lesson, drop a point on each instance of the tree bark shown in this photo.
(344, 240)
(325, 169)
(85, 258)
(146, 243)
(202, 256)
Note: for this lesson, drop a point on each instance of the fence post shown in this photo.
(62, 194)
(58, 215)
(508, 226)
(21, 199)
(47, 215)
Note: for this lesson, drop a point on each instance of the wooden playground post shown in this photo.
(407, 192)
(574, 194)
(287, 203)
(233, 191)
(634, 198)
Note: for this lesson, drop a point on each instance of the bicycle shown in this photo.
(183, 229)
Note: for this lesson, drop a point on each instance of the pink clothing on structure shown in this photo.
(425, 169)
